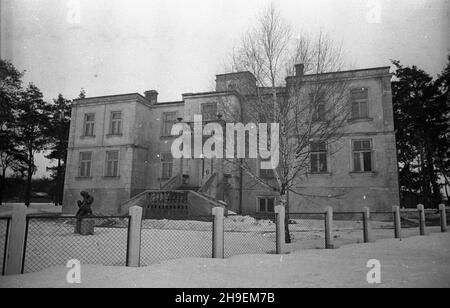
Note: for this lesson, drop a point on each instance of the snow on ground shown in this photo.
(412, 262)
(34, 208)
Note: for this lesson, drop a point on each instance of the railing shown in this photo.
(4, 232)
(165, 204)
(174, 183)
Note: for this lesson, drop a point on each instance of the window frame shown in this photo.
(111, 122)
(90, 123)
(317, 116)
(361, 158)
(212, 117)
(266, 204)
(164, 133)
(318, 153)
(107, 175)
(164, 163)
(359, 102)
(81, 164)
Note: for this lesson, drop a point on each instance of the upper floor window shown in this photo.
(112, 163)
(360, 103)
(116, 123)
(318, 106)
(266, 173)
(85, 164)
(266, 204)
(362, 155)
(209, 111)
(169, 119)
(318, 157)
(166, 165)
(89, 122)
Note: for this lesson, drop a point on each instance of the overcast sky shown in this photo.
(178, 46)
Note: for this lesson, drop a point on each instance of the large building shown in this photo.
(120, 147)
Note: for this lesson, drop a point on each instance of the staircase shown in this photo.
(176, 200)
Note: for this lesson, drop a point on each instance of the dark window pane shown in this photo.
(314, 163)
(262, 205)
(270, 204)
(355, 110)
(367, 161)
(363, 110)
(323, 162)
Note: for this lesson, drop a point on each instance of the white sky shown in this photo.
(178, 46)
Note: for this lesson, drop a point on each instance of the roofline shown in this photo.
(108, 96)
(210, 93)
(347, 71)
(236, 73)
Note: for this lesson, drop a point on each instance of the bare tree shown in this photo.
(311, 110)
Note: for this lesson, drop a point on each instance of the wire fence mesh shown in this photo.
(348, 228)
(51, 241)
(410, 223)
(307, 231)
(4, 229)
(249, 234)
(382, 225)
(166, 239)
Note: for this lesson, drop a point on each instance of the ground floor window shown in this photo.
(166, 165)
(112, 163)
(266, 204)
(85, 164)
(362, 155)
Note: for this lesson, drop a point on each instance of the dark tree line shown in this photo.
(29, 125)
(422, 117)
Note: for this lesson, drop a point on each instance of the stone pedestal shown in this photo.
(85, 226)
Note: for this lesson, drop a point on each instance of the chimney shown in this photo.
(299, 70)
(152, 96)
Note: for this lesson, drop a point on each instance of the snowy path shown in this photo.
(412, 262)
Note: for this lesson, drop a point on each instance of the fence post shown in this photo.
(218, 251)
(443, 217)
(134, 236)
(16, 241)
(329, 228)
(421, 210)
(397, 222)
(367, 226)
(281, 239)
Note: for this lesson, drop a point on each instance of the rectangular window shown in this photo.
(89, 121)
(112, 163)
(116, 123)
(209, 111)
(360, 103)
(362, 156)
(266, 173)
(266, 204)
(318, 157)
(318, 106)
(169, 118)
(166, 165)
(85, 164)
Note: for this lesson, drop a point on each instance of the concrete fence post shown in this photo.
(397, 222)
(421, 210)
(218, 236)
(366, 225)
(16, 241)
(134, 237)
(443, 217)
(280, 232)
(329, 228)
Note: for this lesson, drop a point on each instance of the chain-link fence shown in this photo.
(307, 231)
(348, 228)
(4, 230)
(52, 241)
(249, 234)
(382, 225)
(410, 220)
(167, 239)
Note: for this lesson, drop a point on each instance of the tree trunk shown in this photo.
(58, 184)
(284, 201)
(2, 185)
(29, 179)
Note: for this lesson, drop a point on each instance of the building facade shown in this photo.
(120, 146)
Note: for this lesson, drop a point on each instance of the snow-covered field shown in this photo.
(412, 262)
